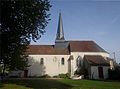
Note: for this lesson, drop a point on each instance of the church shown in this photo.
(68, 56)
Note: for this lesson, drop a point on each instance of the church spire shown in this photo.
(60, 33)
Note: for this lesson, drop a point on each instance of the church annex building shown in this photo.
(68, 57)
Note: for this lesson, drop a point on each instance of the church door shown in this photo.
(100, 72)
(25, 73)
(69, 66)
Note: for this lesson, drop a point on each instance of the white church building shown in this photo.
(68, 57)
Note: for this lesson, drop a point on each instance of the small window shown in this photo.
(62, 61)
(41, 61)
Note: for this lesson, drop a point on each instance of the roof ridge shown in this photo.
(80, 40)
(40, 45)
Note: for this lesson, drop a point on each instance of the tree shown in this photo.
(114, 74)
(21, 21)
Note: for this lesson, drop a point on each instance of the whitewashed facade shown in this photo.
(80, 56)
(52, 65)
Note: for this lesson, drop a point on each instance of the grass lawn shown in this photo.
(58, 84)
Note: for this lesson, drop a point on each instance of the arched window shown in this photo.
(62, 61)
(41, 61)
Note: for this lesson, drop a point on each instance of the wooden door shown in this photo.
(25, 73)
(100, 72)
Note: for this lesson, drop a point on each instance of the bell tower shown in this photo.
(60, 33)
(60, 40)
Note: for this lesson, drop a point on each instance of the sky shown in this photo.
(97, 20)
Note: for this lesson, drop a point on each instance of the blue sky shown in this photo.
(97, 20)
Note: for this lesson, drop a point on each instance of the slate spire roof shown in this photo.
(60, 33)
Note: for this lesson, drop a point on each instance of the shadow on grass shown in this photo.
(106, 80)
(38, 83)
(1, 84)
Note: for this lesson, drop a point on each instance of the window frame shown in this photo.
(42, 61)
(62, 61)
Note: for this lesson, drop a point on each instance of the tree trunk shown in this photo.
(3, 72)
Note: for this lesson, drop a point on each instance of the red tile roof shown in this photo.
(96, 60)
(74, 46)
(47, 50)
(85, 46)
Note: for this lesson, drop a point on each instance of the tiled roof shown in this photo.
(74, 46)
(46, 50)
(85, 46)
(96, 60)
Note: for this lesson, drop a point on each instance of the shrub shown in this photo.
(64, 75)
(45, 76)
(56, 76)
(81, 71)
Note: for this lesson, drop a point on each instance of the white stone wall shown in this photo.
(81, 54)
(18, 73)
(105, 71)
(95, 74)
(52, 65)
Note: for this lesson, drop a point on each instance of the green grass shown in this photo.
(58, 84)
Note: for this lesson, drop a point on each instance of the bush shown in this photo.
(56, 76)
(82, 71)
(64, 75)
(45, 76)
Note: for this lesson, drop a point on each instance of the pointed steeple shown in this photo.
(60, 40)
(60, 33)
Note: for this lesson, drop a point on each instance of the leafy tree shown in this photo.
(20, 22)
(114, 74)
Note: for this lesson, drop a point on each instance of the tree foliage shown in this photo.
(114, 74)
(21, 21)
